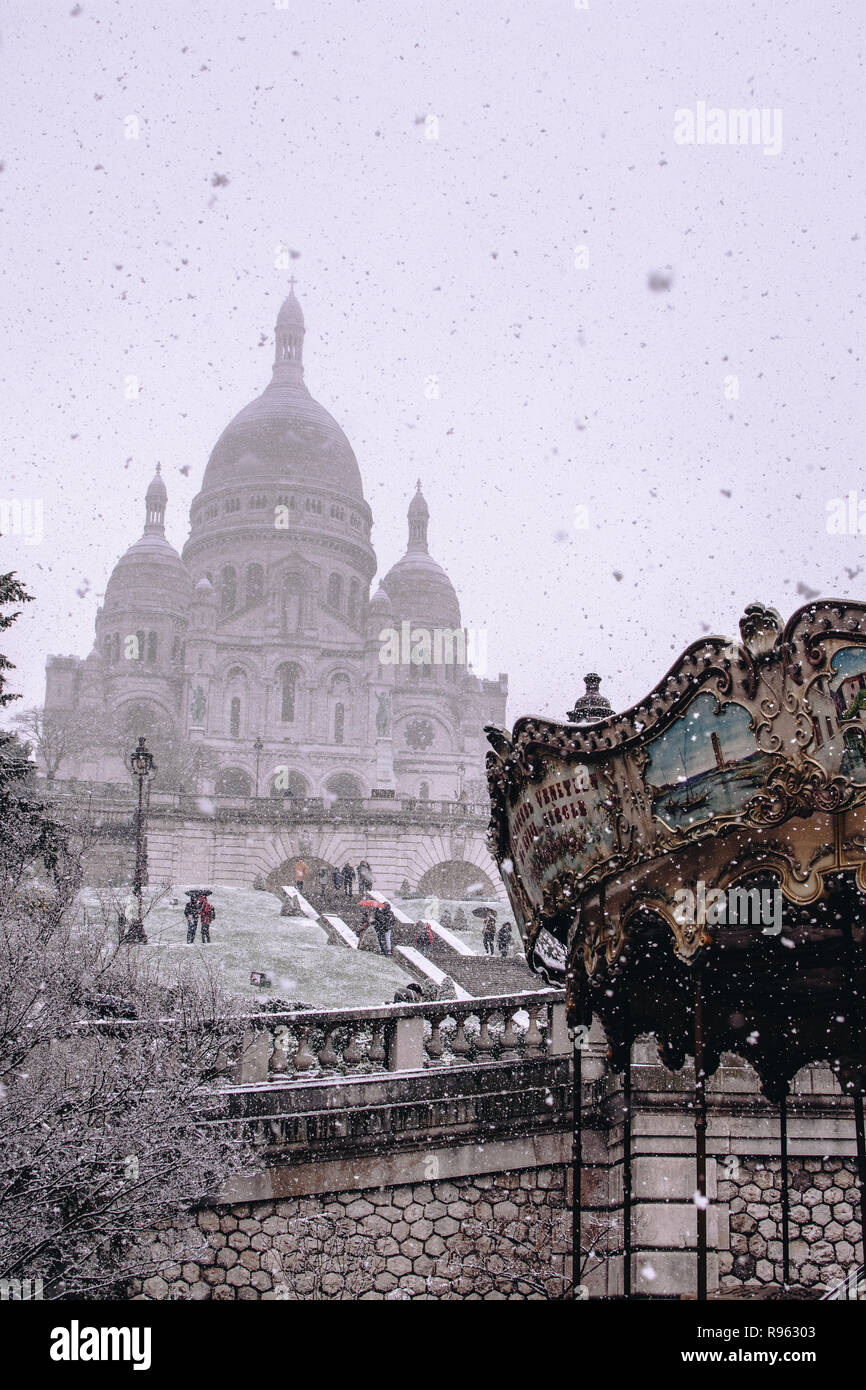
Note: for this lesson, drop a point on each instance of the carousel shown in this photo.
(695, 868)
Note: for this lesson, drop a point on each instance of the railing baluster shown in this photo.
(328, 1057)
(510, 1036)
(377, 1046)
(461, 1046)
(434, 1044)
(279, 1061)
(352, 1054)
(303, 1058)
(485, 1043)
(533, 1039)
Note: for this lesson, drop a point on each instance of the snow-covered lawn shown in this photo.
(249, 934)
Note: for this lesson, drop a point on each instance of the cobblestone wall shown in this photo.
(489, 1237)
(824, 1216)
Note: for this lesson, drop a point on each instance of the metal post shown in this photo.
(626, 1175)
(783, 1187)
(700, 1136)
(576, 1160)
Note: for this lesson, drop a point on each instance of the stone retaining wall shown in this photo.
(486, 1236)
(824, 1222)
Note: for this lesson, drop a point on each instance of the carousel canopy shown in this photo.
(721, 824)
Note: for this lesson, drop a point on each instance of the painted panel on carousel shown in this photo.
(562, 822)
(705, 764)
(848, 691)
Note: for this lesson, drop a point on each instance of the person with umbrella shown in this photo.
(383, 920)
(488, 936)
(504, 938)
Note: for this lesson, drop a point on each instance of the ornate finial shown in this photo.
(292, 283)
(592, 706)
(158, 469)
(418, 486)
(760, 629)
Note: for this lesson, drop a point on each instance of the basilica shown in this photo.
(258, 662)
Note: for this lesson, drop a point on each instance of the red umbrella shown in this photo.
(369, 902)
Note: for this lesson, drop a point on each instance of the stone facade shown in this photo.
(266, 630)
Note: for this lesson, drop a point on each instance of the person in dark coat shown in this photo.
(365, 878)
(190, 912)
(488, 935)
(336, 879)
(383, 920)
(423, 935)
(348, 879)
(504, 938)
(408, 994)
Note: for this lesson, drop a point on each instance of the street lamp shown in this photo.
(461, 773)
(144, 768)
(258, 747)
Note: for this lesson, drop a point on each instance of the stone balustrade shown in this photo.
(401, 1037)
(319, 1044)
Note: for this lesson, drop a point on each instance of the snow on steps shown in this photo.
(418, 965)
(345, 935)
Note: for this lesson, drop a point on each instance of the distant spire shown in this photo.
(289, 337)
(155, 500)
(419, 515)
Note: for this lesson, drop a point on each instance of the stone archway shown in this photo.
(457, 878)
(284, 875)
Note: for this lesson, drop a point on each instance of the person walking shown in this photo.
(365, 923)
(300, 874)
(190, 912)
(423, 935)
(504, 938)
(322, 877)
(365, 878)
(207, 914)
(383, 919)
(337, 880)
(348, 879)
(488, 936)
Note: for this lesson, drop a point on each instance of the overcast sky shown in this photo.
(562, 384)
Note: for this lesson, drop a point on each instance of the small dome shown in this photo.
(380, 602)
(157, 494)
(291, 312)
(418, 587)
(204, 591)
(421, 591)
(151, 576)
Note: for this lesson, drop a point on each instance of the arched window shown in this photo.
(151, 646)
(286, 783)
(228, 590)
(235, 717)
(339, 722)
(354, 600)
(106, 647)
(288, 677)
(255, 583)
(139, 646)
(335, 591)
(424, 792)
(292, 602)
(115, 647)
(233, 781)
(345, 786)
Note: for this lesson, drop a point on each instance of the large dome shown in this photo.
(284, 436)
(418, 587)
